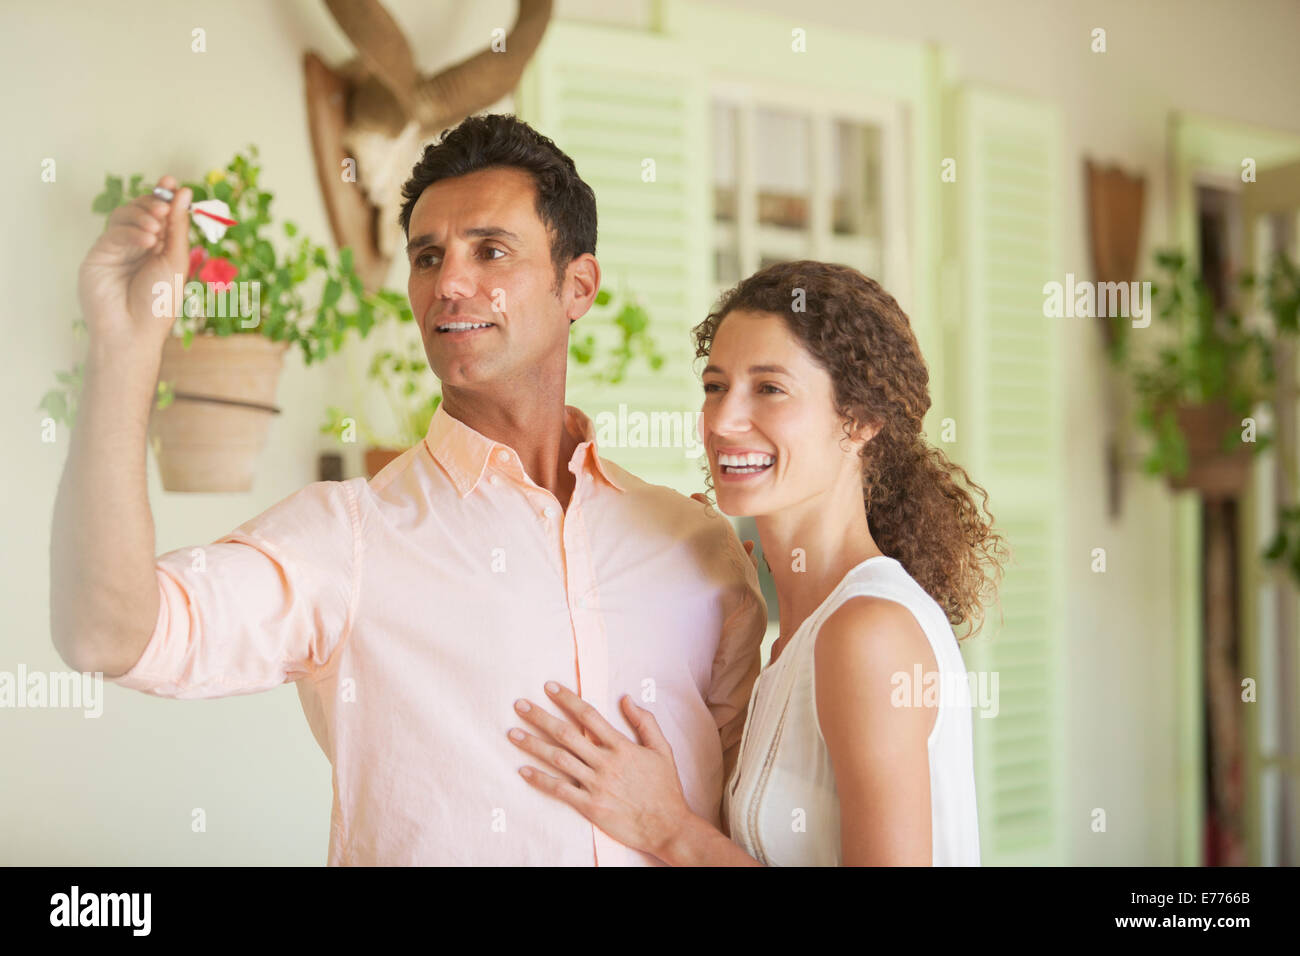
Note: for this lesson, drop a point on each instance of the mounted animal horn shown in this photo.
(369, 117)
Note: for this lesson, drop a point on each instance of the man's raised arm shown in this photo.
(103, 588)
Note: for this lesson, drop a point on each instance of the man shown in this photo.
(414, 610)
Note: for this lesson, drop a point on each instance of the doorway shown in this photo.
(1234, 199)
(1221, 255)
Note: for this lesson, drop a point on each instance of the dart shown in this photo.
(216, 213)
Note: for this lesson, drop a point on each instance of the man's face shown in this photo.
(481, 257)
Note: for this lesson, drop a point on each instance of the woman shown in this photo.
(815, 392)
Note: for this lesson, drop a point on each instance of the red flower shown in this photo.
(219, 272)
(198, 255)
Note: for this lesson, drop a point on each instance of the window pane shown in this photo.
(855, 182)
(782, 168)
(726, 266)
(724, 162)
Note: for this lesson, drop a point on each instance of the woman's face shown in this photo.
(769, 422)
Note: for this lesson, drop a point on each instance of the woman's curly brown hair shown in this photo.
(921, 507)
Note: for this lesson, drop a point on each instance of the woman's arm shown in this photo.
(629, 789)
(876, 732)
(698, 843)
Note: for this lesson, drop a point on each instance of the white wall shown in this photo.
(115, 88)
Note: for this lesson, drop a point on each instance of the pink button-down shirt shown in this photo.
(413, 609)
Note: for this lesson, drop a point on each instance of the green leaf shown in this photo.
(365, 319)
(583, 349)
(332, 293)
(110, 198)
(56, 404)
(1276, 548)
(264, 252)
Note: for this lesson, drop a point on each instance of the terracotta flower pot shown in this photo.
(1212, 471)
(209, 437)
(378, 458)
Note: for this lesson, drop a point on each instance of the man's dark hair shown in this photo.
(565, 204)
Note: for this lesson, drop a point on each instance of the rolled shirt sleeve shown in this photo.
(268, 603)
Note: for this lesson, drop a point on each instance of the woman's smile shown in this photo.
(744, 466)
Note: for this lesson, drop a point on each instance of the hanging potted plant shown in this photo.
(1197, 390)
(407, 382)
(244, 306)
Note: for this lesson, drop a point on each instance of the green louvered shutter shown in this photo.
(613, 99)
(1005, 395)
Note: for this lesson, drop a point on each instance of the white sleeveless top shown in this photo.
(785, 767)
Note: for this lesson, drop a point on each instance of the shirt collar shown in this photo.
(465, 454)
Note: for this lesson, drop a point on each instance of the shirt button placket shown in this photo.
(588, 634)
